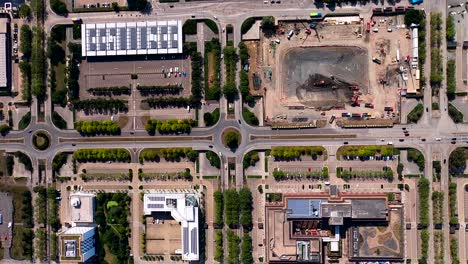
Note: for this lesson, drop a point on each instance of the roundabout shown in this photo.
(41, 140)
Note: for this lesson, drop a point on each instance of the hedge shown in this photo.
(211, 118)
(415, 114)
(249, 117)
(451, 79)
(58, 121)
(214, 159)
(456, 115)
(250, 159)
(212, 25)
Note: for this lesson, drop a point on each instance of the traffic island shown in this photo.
(41, 140)
(231, 138)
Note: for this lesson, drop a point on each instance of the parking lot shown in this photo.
(6, 210)
(155, 71)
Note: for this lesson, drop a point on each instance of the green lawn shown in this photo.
(60, 70)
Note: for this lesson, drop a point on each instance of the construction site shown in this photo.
(350, 69)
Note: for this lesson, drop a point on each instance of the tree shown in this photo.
(268, 23)
(59, 7)
(116, 7)
(450, 28)
(245, 204)
(413, 16)
(457, 161)
(55, 52)
(137, 5)
(246, 250)
(230, 91)
(26, 40)
(24, 11)
(232, 139)
(4, 129)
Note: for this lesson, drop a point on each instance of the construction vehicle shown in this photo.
(376, 60)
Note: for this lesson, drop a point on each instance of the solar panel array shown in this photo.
(157, 198)
(132, 38)
(155, 206)
(194, 241)
(185, 236)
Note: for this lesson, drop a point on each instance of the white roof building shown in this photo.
(131, 38)
(184, 209)
(4, 53)
(77, 244)
(414, 38)
(82, 207)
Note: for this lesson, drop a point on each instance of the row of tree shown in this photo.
(295, 153)
(73, 71)
(423, 190)
(244, 74)
(367, 151)
(101, 105)
(92, 128)
(166, 102)
(230, 60)
(171, 126)
(25, 64)
(160, 90)
(102, 155)
(238, 208)
(38, 64)
(197, 79)
(169, 154)
(109, 91)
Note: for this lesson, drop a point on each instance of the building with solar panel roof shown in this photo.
(166, 206)
(132, 38)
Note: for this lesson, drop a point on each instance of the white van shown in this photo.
(290, 34)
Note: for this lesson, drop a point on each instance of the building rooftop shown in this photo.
(369, 208)
(82, 207)
(132, 38)
(184, 209)
(77, 244)
(304, 208)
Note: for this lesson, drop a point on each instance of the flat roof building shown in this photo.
(82, 207)
(77, 244)
(131, 38)
(183, 208)
(302, 227)
(4, 54)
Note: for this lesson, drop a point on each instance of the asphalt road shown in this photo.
(235, 12)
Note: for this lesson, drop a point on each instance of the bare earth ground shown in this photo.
(292, 62)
